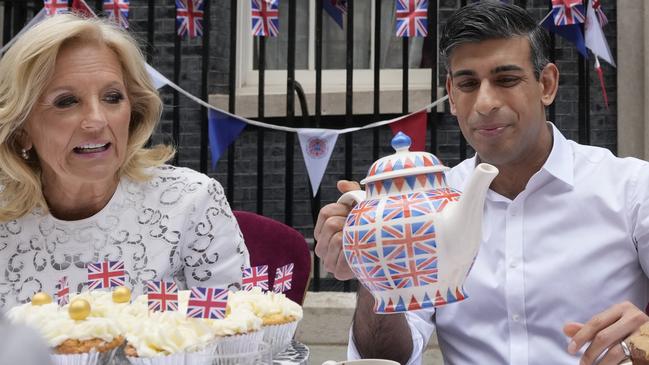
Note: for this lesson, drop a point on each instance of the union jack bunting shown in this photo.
(336, 9)
(597, 7)
(265, 18)
(55, 6)
(412, 18)
(207, 303)
(162, 295)
(63, 291)
(255, 276)
(189, 18)
(117, 11)
(283, 278)
(568, 12)
(106, 274)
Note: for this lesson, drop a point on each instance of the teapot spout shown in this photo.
(467, 215)
(460, 228)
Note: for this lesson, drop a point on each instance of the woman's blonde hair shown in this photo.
(25, 71)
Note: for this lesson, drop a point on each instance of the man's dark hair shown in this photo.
(486, 20)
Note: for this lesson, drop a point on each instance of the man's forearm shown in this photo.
(384, 336)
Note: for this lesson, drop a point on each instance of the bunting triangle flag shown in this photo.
(595, 39)
(414, 125)
(222, 130)
(571, 33)
(317, 145)
(336, 10)
(156, 77)
(80, 7)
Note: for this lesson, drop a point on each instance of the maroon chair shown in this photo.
(275, 244)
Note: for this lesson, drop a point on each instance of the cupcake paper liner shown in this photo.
(172, 359)
(279, 335)
(90, 358)
(236, 344)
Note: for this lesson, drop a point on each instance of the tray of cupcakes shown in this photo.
(108, 325)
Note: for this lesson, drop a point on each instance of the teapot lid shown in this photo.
(403, 162)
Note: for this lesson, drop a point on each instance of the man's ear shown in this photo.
(449, 89)
(549, 83)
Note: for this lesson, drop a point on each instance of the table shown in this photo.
(297, 353)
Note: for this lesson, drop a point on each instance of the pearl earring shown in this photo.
(25, 154)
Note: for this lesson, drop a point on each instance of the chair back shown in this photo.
(275, 244)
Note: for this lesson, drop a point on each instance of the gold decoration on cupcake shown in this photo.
(122, 294)
(79, 309)
(41, 298)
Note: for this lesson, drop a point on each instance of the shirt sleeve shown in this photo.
(639, 208)
(214, 252)
(421, 328)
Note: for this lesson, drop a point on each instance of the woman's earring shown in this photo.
(25, 154)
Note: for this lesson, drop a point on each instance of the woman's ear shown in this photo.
(23, 139)
(549, 83)
(449, 88)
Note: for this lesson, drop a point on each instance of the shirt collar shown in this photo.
(561, 161)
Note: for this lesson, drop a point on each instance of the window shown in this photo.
(334, 51)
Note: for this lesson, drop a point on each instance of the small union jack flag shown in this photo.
(63, 291)
(106, 274)
(255, 276)
(265, 18)
(117, 11)
(597, 7)
(189, 18)
(207, 303)
(162, 295)
(283, 278)
(568, 12)
(55, 6)
(412, 18)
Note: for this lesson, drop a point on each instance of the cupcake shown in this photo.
(639, 346)
(163, 338)
(75, 335)
(279, 314)
(239, 332)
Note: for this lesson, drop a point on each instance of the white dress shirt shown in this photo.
(573, 243)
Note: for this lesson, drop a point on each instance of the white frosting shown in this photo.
(264, 304)
(56, 326)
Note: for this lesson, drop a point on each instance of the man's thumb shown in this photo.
(346, 185)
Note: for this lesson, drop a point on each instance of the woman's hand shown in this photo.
(329, 236)
(605, 331)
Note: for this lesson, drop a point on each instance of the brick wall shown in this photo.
(603, 121)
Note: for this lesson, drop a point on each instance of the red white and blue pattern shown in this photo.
(568, 12)
(597, 7)
(55, 6)
(256, 276)
(412, 18)
(189, 18)
(265, 18)
(162, 295)
(117, 11)
(363, 213)
(363, 257)
(106, 274)
(207, 303)
(63, 291)
(283, 278)
(411, 251)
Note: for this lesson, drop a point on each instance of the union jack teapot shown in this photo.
(410, 238)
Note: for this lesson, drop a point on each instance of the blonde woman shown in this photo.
(78, 186)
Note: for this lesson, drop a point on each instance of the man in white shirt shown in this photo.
(561, 275)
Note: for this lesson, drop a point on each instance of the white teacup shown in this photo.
(362, 362)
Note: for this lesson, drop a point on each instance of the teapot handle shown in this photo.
(352, 198)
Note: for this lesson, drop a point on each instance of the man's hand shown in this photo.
(328, 234)
(605, 331)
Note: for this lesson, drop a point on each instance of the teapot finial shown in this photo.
(401, 142)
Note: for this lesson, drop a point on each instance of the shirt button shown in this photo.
(516, 318)
(513, 212)
(513, 264)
